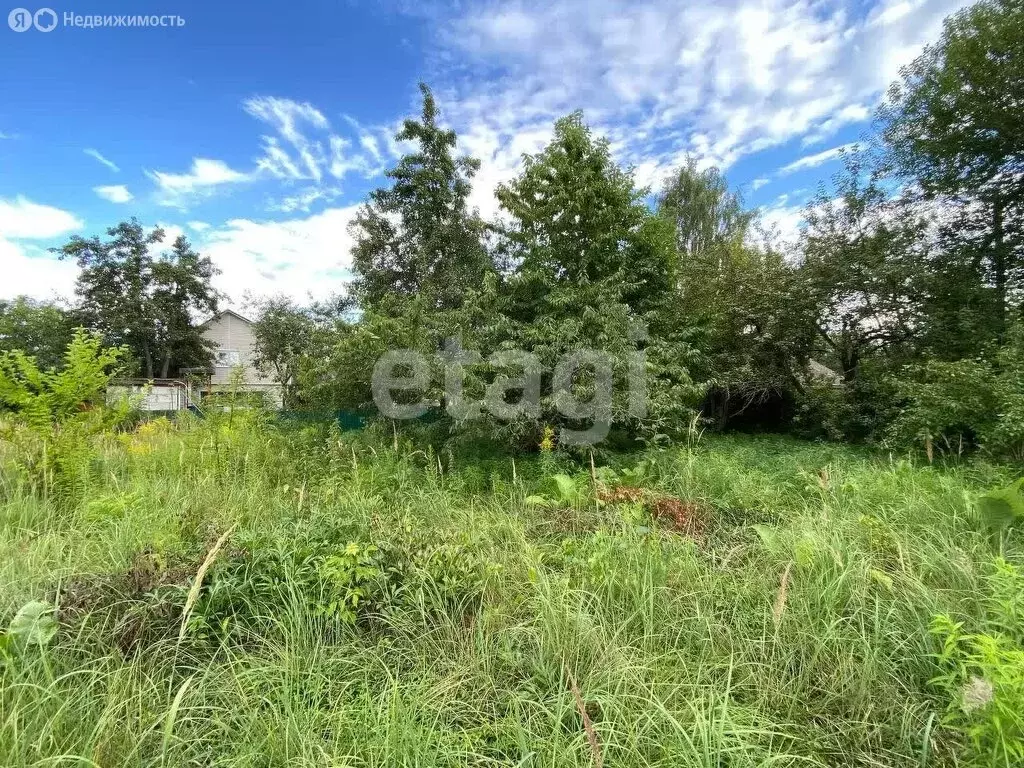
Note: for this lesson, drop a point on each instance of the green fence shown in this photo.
(345, 419)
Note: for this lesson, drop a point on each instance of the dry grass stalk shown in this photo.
(588, 726)
(622, 494)
(193, 593)
(780, 599)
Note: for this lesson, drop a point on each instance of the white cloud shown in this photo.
(290, 119)
(820, 158)
(892, 11)
(667, 78)
(171, 233)
(30, 271)
(117, 193)
(204, 176)
(782, 222)
(28, 268)
(296, 257)
(304, 199)
(21, 218)
(93, 153)
(853, 113)
(198, 226)
(501, 159)
(756, 184)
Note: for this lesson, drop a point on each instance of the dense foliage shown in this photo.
(38, 328)
(146, 300)
(906, 271)
(892, 319)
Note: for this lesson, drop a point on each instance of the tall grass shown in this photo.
(381, 607)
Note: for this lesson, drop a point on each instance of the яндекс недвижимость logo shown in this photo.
(46, 20)
(22, 19)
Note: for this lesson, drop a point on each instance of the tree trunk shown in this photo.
(999, 265)
(849, 356)
(148, 356)
(165, 368)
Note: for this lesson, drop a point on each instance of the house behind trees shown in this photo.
(233, 339)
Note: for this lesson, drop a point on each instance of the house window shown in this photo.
(227, 358)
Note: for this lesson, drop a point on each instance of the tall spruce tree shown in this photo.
(417, 237)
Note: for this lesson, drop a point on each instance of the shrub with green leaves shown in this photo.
(1002, 508)
(953, 407)
(982, 672)
(32, 628)
(55, 413)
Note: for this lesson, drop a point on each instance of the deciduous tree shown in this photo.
(41, 329)
(292, 338)
(145, 300)
(953, 126)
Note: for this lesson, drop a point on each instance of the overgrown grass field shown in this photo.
(240, 593)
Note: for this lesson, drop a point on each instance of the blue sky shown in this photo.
(257, 128)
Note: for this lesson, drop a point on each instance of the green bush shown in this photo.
(858, 410)
(56, 414)
(954, 407)
(983, 673)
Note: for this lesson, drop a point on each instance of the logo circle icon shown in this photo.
(20, 19)
(45, 20)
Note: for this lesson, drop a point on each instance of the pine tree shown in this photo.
(417, 237)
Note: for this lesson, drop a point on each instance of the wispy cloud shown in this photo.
(204, 176)
(290, 119)
(115, 193)
(305, 146)
(664, 79)
(303, 200)
(756, 184)
(820, 158)
(95, 154)
(852, 113)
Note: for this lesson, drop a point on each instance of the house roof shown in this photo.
(823, 373)
(227, 312)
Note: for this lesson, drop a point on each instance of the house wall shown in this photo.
(233, 334)
(150, 397)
